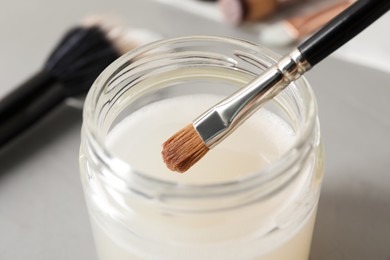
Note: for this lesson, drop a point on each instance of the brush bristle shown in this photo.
(182, 150)
(86, 50)
(81, 55)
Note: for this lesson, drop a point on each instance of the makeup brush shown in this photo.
(191, 143)
(238, 11)
(70, 70)
(299, 27)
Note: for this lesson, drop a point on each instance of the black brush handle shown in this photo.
(342, 28)
(24, 94)
(28, 104)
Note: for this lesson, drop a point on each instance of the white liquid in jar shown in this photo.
(258, 142)
(138, 139)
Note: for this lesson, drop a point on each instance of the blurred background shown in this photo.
(42, 210)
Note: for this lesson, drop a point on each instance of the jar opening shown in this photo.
(134, 75)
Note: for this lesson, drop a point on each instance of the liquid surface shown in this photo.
(138, 140)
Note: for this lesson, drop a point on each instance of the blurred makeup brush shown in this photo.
(70, 70)
(238, 11)
(191, 143)
(289, 31)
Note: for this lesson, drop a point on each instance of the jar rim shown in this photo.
(277, 167)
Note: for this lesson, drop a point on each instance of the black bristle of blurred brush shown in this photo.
(77, 60)
(80, 57)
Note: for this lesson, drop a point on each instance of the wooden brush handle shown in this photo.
(256, 10)
(307, 24)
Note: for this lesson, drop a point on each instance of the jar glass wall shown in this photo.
(263, 214)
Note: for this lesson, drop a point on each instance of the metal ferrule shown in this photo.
(216, 123)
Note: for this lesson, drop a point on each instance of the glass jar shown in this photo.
(268, 214)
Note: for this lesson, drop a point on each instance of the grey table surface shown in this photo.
(42, 209)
